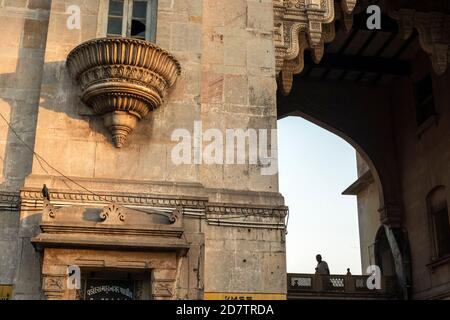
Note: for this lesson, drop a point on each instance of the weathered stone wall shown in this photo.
(424, 163)
(227, 81)
(368, 216)
(24, 29)
(23, 24)
(9, 243)
(238, 90)
(423, 160)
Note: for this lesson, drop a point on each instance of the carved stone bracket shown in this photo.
(304, 25)
(434, 34)
(122, 80)
(301, 25)
(112, 214)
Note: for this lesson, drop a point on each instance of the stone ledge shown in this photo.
(109, 242)
(9, 201)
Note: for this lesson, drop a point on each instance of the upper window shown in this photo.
(440, 226)
(423, 90)
(132, 18)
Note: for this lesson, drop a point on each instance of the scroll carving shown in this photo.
(112, 214)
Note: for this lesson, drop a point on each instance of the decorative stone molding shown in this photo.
(113, 214)
(246, 216)
(434, 34)
(110, 226)
(171, 207)
(122, 80)
(9, 201)
(304, 25)
(33, 196)
(238, 215)
(231, 210)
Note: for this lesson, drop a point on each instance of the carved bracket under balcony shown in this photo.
(305, 25)
(122, 80)
(302, 25)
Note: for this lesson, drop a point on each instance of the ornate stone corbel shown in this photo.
(433, 29)
(348, 6)
(176, 214)
(301, 25)
(112, 214)
(344, 14)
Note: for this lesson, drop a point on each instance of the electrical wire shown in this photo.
(39, 158)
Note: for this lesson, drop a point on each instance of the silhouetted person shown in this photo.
(322, 266)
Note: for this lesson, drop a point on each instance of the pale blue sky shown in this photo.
(315, 166)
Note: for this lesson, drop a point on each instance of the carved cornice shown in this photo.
(171, 207)
(33, 196)
(245, 210)
(122, 80)
(9, 201)
(246, 216)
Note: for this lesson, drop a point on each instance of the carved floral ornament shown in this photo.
(122, 80)
(301, 25)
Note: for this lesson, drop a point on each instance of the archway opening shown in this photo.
(316, 166)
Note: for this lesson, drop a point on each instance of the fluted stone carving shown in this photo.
(122, 80)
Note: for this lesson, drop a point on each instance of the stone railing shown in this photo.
(303, 286)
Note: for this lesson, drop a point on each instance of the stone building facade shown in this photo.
(184, 231)
(89, 108)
